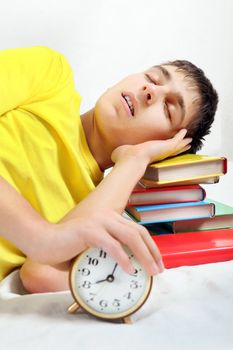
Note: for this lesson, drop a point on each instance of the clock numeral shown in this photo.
(102, 254)
(134, 284)
(116, 302)
(92, 297)
(86, 284)
(93, 261)
(128, 295)
(85, 272)
(135, 274)
(103, 303)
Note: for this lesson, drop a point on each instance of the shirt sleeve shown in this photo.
(30, 74)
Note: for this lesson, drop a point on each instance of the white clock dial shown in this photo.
(102, 288)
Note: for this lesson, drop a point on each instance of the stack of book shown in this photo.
(170, 202)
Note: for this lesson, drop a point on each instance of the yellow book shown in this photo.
(186, 167)
(146, 183)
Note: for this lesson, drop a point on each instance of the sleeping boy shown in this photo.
(54, 199)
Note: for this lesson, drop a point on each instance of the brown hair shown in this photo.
(207, 104)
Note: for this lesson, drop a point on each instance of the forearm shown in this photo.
(114, 190)
(19, 222)
(130, 164)
(116, 187)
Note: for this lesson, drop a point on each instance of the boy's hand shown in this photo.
(108, 230)
(153, 151)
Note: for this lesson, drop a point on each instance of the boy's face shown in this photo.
(152, 105)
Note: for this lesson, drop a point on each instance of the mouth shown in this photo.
(129, 103)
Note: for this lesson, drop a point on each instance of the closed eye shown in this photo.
(150, 79)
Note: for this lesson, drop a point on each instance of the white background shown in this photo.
(191, 307)
(108, 39)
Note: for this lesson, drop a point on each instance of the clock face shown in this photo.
(101, 287)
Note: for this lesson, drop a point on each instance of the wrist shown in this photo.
(135, 154)
(134, 163)
(42, 234)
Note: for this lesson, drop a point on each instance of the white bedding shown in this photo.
(189, 308)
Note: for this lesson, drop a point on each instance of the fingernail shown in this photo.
(161, 265)
(154, 269)
(131, 269)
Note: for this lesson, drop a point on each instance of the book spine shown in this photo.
(159, 192)
(203, 193)
(224, 165)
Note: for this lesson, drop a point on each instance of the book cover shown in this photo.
(223, 218)
(162, 195)
(186, 167)
(146, 183)
(171, 212)
(194, 248)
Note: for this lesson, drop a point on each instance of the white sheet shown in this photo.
(189, 308)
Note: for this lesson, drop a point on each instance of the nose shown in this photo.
(153, 93)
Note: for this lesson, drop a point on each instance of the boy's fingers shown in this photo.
(182, 150)
(180, 134)
(142, 245)
(185, 143)
(182, 144)
(153, 249)
(116, 251)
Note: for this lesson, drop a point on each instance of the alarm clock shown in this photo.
(103, 289)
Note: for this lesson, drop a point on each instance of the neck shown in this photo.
(95, 142)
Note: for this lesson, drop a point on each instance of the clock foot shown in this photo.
(73, 308)
(127, 320)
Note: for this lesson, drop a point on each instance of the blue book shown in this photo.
(145, 214)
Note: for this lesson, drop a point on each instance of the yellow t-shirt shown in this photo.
(43, 150)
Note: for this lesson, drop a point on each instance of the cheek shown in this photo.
(142, 132)
(155, 126)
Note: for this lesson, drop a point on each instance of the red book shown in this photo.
(194, 248)
(164, 195)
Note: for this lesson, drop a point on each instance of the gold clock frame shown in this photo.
(79, 303)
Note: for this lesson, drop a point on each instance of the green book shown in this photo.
(223, 218)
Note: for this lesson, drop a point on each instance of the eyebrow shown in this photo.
(167, 75)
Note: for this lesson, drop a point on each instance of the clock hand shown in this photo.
(114, 269)
(109, 278)
(101, 280)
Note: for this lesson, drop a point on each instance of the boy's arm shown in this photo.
(101, 210)
(20, 223)
(96, 221)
